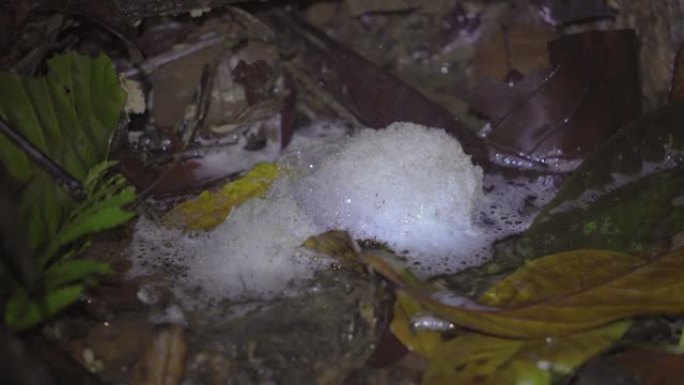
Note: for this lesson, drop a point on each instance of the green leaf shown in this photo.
(74, 271)
(101, 210)
(599, 287)
(638, 216)
(23, 312)
(486, 360)
(70, 114)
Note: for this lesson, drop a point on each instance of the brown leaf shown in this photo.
(372, 95)
(486, 360)
(677, 87)
(653, 367)
(163, 362)
(562, 12)
(609, 286)
(338, 245)
(564, 113)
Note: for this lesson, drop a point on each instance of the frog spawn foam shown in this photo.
(409, 186)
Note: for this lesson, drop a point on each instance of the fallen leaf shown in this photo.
(423, 342)
(652, 367)
(556, 276)
(163, 362)
(211, 208)
(614, 287)
(677, 87)
(562, 12)
(518, 47)
(372, 95)
(338, 245)
(561, 114)
(486, 360)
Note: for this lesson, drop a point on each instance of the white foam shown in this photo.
(253, 254)
(408, 186)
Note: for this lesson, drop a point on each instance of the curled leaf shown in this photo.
(610, 286)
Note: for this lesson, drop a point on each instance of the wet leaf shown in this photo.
(211, 208)
(614, 286)
(372, 95)
(423, 342)
(338, 245)
(634, 211)
(563, 113)
(483, 360)
(557, 275)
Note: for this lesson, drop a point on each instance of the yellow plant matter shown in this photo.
(211, 208)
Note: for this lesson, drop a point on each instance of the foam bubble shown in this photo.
(408, 186)
(253, 254)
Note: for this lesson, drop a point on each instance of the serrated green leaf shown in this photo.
(70, 114)
(23, 312)
(74, 271)
(99, 220)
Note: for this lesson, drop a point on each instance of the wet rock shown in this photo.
(316, 338)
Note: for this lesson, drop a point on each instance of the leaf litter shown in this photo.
(576, 351)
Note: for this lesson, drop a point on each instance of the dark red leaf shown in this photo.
(592, 91)
(372, 95)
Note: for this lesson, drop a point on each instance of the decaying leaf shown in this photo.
(211, 208)
(338, 245)
(486, 360)
(677, 86)
(652, 367)
(590, 92)
(423, 342)
(614, 288)
(624, 197)
(163, 362)
(561, 12)
(560, 274)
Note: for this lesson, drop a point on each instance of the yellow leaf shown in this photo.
(557, 275)
(614, 286)
(486, 360)
(423, 342)
(211, 208)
